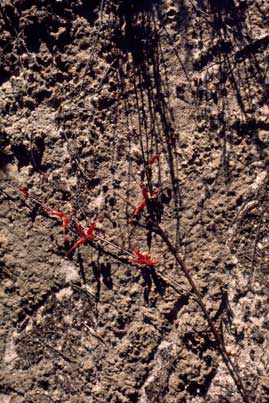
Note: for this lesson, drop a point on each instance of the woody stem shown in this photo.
(221, 346)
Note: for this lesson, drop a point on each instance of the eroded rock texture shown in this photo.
(90, 90)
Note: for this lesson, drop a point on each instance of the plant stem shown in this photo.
(221, 346)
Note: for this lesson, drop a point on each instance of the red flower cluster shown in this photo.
(147, 195)
(143, 258)
(86, 236)
(65, 220)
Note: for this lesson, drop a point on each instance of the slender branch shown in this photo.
(220, 343)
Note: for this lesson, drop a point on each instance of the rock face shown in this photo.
(89, 92)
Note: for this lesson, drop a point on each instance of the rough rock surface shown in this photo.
(89, 91)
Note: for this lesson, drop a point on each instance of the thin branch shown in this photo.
(220, 343)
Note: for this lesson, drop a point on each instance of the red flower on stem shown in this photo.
(59, 214)
(143, 204)
(144, 190)
(86, 236)
(137, 211)
(24, 192)
(143, 258)
(65, 225)
(154, 158)
(79, 229)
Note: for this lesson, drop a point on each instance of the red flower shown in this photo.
(79, 228)
(143, 258)
(65, 224)
(79, 242)
(154, 158)
(144, 190)
(26, 194)
(86, 236)
(59, 214)
(143, 204)
(137, 211)
(90, 230)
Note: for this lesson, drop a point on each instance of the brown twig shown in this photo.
(94, 44)
(220, 343)
(94, 334)
(61, 354)
(254, 251)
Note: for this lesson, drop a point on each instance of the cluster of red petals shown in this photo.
(137, 211)
(145, 192)
(143, 203)
(59, 214)
(143, 258)
(86, 236)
